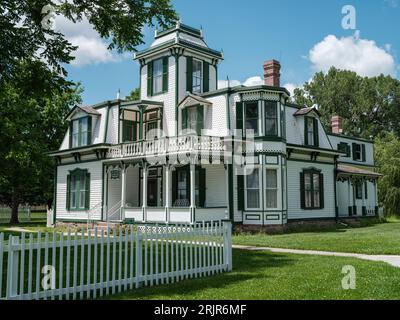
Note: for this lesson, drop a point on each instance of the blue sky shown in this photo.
(305, 36)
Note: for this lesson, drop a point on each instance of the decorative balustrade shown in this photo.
(188, 143)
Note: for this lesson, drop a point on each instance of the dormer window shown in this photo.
(311, 131)
(81, 132)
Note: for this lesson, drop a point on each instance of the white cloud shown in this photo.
(352, 53)
(391, 3)
(91, 48)
(291, 87)
(252, 81)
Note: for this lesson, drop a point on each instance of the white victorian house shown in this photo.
(188, 151)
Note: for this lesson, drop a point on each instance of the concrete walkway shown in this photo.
(390, 259)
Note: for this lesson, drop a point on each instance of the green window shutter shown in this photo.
(363, 152)
(302, 191)
(240, 190)
(321, 190)
(366, 189)
(354, 150)
(68, 201)
(189, 74)
(89, 133)
(87, 192)
(202, 186)
(150, 78)
(200, 119)
(239, 115)
(348, 150)
(165, 74)
(184, 118)
(174, 187)
(305, 131)
(70, 134)
(206, 76)
(316, 135)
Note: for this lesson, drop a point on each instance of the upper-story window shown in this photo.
(152, 123)
(271, 118)
(311, 131)
(197, 75)
(157, 76)
(344, 147)
(193, 119)
(81, 132)
(359, 153)
(251, 117)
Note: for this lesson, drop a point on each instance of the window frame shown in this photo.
(312, 190)
(197, 109)
(315, 133)
(78, 181)
(344, 147)
(276, 118)
(81, 133)
(245, 118)
(200, 86)
(155, 77)
(358, 190)
(276, 188)
(246, 206)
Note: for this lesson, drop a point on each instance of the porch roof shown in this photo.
(350, 170)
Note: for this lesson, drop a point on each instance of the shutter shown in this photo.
(70, 134)
(206, 76)
(89, 133)
(189, 74)
(187, 170)
(302, 191)
(200, 119)
(240, 190)
(68, 201)
(316, 135)
(202, 187)
(165, 74)
(239, 115)
(305, 131)
(150, 79)
(366, 189)
(363, 152)
(184, 118)
(87, 191)
(321, 190)
(354, 150)
(174, 187)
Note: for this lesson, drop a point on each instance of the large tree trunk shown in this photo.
(14, 208)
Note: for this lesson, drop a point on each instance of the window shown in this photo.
(192, 119)
(157, 76)
(311, 131)
(154, 187)
(271, 188)
(81, 132)
(271, 118)
(312, 196)
(78, 189)
(358, 189)
(197, 76)
(151, 123)
(344, 147)
(130, 125)
(251, 117)
(253, 189)
(181, 187)
(359, 153)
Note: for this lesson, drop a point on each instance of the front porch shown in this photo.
(165, 193)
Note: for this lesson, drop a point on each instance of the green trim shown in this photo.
(312, 171)
(88, 131)
(299, 146)
(177, 56)
(181, 28)
(309, 161)
(350, 137)
(240, 89)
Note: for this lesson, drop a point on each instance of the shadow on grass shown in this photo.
(247, 265)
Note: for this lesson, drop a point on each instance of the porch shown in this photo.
(166, 193)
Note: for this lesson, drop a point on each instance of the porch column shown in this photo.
(167, 192)
(226, 167)
(144, 194)
(105, 195)
(123, 191)
(192, 191)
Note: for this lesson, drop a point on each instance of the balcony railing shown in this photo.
(170, 145)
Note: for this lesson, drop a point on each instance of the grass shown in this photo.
(369, 238)
(265, 275)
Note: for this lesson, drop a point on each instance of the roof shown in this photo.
(356, 171)
(304, 111)
(86, 109)
(190, 98)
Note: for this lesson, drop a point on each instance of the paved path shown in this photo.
(18, 229)
(391, 259)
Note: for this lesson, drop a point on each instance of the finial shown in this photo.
(118, 94)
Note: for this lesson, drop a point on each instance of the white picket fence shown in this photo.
(91, 265)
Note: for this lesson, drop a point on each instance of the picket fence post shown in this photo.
(12, 270)
(138, 257)
(228, 244)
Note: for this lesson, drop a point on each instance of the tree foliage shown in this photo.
(134, 95)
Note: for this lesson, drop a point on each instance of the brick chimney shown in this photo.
(336, 124)
(272, 73)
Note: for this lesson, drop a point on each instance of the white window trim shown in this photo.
(201, 76)
(260, 175)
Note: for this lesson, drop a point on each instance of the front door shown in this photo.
(152, 192)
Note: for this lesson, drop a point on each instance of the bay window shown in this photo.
(253, 189)
(271, 188)
(271, 118)
(251, 117)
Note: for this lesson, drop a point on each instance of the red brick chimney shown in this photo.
(336, 124)
(272, 73)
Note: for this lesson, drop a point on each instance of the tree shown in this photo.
(24, 32)
(34, 106)
(134, 95)
(387, 156)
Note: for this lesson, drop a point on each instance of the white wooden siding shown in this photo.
(132, 187)
(112, 131)
(215, 123)
(294, 206)
(216, 188)
(95, 169)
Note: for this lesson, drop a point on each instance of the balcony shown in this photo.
(170, 145)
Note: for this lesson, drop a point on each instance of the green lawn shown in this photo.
(374, 238)
(265, 275)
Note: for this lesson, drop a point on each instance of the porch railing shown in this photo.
(168, 145)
